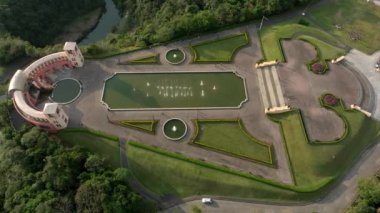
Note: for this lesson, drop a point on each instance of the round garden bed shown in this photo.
(175, 56)
(66, 91)
(174, 129)
(330, 100)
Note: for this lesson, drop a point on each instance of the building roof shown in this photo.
(50, 108)
(18, 81)
(70, 46)
(24, 107)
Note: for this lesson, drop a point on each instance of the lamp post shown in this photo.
(262, 21)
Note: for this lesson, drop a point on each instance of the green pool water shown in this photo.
(175, 129)
(128, 91)
(175, 56)
(66, 91)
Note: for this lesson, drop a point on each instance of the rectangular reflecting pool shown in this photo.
(181, 90)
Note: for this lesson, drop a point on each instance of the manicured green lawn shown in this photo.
(354, 16)
(327, 51)
(106, 148)
(150, 59)
(231, 138)
(144, 125)
(221, 50)
(173, 175)
(315, 164)
(270, 38)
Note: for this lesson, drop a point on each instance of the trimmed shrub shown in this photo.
(303, 22)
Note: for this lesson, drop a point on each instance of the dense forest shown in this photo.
(162, 20)
(40, 174)
(40, 21)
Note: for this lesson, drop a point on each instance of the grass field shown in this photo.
(271, 35)
(316, 164)
(327, 51)
(175, 176)
(221, 50)
(353, 16)
(150, 59)
(106, 148)
(231, 138)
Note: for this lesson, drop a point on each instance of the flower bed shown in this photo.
(330, 100)
(317, 68)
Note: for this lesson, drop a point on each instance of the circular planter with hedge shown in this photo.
(175, 56)
(318, 68)
(174, 129)
(330, 100)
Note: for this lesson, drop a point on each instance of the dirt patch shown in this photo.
(302, 90)
(80, 27)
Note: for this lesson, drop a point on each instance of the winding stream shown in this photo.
(106, 23)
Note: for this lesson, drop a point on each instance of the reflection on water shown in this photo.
(108, 20)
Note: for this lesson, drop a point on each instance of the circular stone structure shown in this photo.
(66, 91)
(174, 129)
(175, 56)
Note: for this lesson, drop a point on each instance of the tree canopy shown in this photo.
(161, 20)
(40, 174)
(40, 21)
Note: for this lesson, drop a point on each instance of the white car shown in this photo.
(206, 200)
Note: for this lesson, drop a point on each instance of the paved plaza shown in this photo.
(289, 83)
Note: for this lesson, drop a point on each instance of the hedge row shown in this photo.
(234, 52)
(193, 141)
(92, 132)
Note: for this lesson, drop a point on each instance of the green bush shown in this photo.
(303, 22)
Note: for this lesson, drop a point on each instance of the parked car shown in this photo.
(377, 66)
(206, 200)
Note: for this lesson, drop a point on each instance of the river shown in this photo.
(106, 23)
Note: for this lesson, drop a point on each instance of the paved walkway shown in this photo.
(123, 152)
(251, 112)
(366, 65)
(270, 87)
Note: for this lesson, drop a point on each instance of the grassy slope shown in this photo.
(270, 36)
(314, 164)
(106, 148)
(352, 15)
(169, 176)
(234, 141)
(219, 50)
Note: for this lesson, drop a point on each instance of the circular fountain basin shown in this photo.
(66, 91)
(174, 129)
(175, 56)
